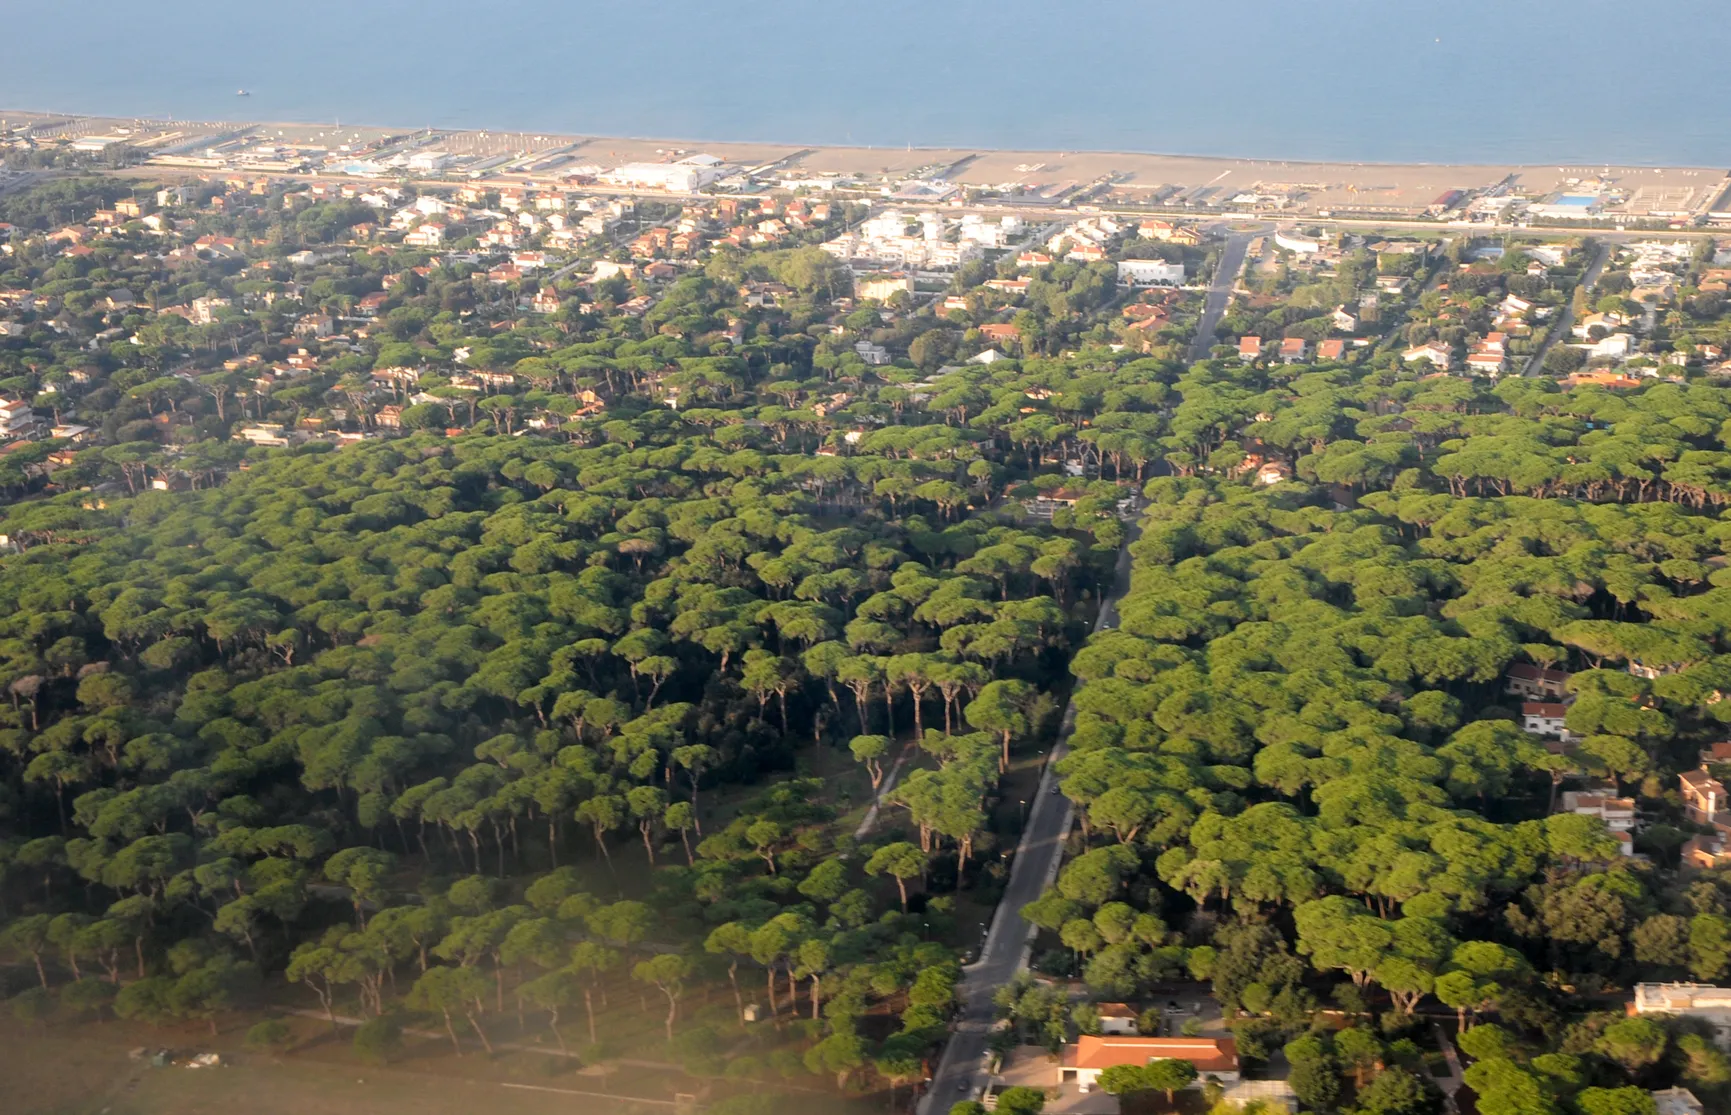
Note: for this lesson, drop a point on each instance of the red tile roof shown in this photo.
(1207, 1054)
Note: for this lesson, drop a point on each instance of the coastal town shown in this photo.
(745, 630)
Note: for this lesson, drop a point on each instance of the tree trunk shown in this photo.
(589, 1008)
(452, 1030)
(482, 1034)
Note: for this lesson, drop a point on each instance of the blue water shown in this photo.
(1544, 81)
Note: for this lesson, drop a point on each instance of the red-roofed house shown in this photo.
(1091, 1055)
(1536, 682)
(1249, 348)
(1332, 349)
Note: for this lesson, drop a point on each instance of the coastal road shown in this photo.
(1566, 316)
(961, 1071)
(1220, 292)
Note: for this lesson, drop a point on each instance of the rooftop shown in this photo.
(1207, 1054)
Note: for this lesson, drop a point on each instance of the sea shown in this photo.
(1463, 81)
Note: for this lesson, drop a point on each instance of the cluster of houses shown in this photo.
(927, 241)
(1545, 703)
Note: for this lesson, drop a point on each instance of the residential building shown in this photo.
(1000, 333)
(546, 301)
(1116, 1018)
(1606, 321)
(1345, 320)
(1273, 472)
(1249, 348)
(1150, 272)
(1027, 260)
(389, 417)
(882, 287)
(1617, 813)
(1710, 1004)
(1434, 351)
(1537, 683)
(1677, 1101)
(17, 419)
(1615, 381)
(429, 235)
(874, 355)
(1332, 349)
(1702, 796)
(1083, 1062)
(268, 434)
(1707, 852)
(316, 326)
(1617, 346)
(1294, 350)
(1545, 718)
(1641, 670)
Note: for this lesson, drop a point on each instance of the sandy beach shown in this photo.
(1391, 188)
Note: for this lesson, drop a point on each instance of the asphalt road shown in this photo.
(1566, 316)
(1220, 293)
(961, 1071)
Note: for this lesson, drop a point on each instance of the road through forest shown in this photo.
(1038, 855)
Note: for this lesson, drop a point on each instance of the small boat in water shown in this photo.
(243, 92)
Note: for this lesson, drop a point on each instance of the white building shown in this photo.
(429, 235)
(1293, 242)
(1116, 1018)
(17, 419)
(1695, 1000)
(1437, 353)
(1545, 718)
(1150, 272)
(429, 162)
(1677, 1101)
(265, 434)
(1617, 813)
(1617, 346)
(874, 355)
(686, 176)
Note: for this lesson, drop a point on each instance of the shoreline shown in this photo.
(1314, 187)
(794, 145)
